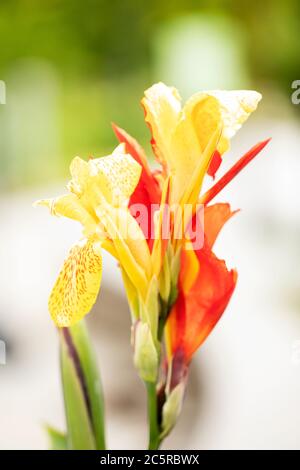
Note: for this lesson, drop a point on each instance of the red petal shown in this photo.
(214, 164)
(197, 311)
(148, 191)
(132, 147)
(241, 163)
(195, 314)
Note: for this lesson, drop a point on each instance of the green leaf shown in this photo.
(80, 432)
(92, 380)
(57, 439)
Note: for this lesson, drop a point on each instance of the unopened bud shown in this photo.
(145, 353)
(172, 408)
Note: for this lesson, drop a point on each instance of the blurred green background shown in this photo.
(72, 67)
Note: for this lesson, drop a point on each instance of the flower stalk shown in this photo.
(154, 429)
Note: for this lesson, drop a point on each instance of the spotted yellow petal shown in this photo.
(77, 285)
(116, 176)
(120, 149)
(79, 170)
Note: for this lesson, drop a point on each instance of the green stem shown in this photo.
(154, 432)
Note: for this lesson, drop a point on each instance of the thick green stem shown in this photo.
(154, 431)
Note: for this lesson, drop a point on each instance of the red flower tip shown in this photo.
(237, 167)
(214, 164)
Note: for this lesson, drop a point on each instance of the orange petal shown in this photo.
(195, 313)
(215, 217)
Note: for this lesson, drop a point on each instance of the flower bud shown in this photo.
(172, 408)
(145, 353)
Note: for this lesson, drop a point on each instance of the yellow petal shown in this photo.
(120, 149)
(79, 170)
(236, 107)
(77, 285)
(108, 245)
(230, 109)
(181, 136)
(128, 254)
(162, 107)
(116, 176)
(132, 296)
(135, 239)
(165, 280)
(191, 191)
(176, 142)
(70, 206)
(113, 178)
(162, 218)
(201, 117)
(134, 271)
(191, 269)
(120, 224)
